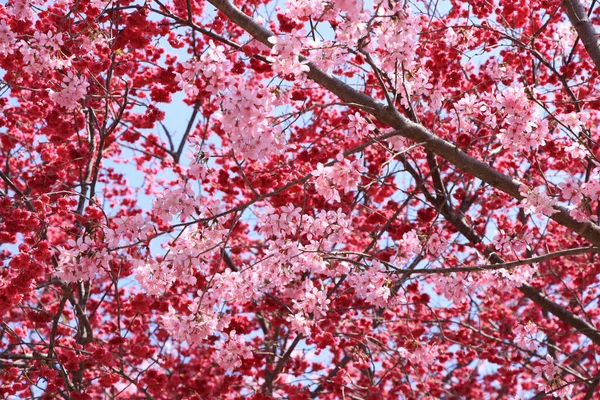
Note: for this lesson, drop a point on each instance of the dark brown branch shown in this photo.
(585, 30)
(315, 393)
(271, 376)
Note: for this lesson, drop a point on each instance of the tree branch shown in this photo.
(585, 30)
(411, 130)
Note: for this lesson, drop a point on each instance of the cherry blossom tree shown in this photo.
(302, 199)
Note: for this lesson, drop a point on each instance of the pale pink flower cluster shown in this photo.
(418, 85)
(74, 88)
(198, 171)
(246, 117)
(297, 9)
(350, 7)
(359, 126)
(451, 37)
(182, 259)
(326, 55)
(537, 201)
(372, 284)
(181, 202)
(575, 121)
(285, 54)
(457, 287)
(576, 151)
(330, 227)
(437, 244)
(581, 214)
(580, 194)
(570, 190)
(424, 354)
(515, 277)
(410, 244)
(48, 39)
(591, 189)
(42, 52)
(396, 38)
(192, 328)
(546, 366)
(229, 286)
(343, 174)
(299, 323)
(522, 128)
(311, 261)
(512, 244)
(186, 80)
(453, 287)
(213, 65)
(471, 109)
(199, 156)
(202, 319)
(312, 300)
(286, 223)
(352, 29)
(550, 380)
(82, 260)
(8, 39)
(154, 277)
(525, 336)
(129, 230)
(100, 4)
(21, 10)
(284, 260)
(398, 143)
(231, 351)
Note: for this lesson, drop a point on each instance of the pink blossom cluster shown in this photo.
(74, 88)
(513, 244)
(343, 175)
(8, 39)
(395, 38)
(213, 66)
(82, 260)
(359, 127)
(22, 9)
(181, 202)
(525, 336)
(231, 351)
(436, 244)
(285, 52)
(192, 328)
(410, 244)
(305, 8)
(521, 125)
(537, 201)
(372, 284)
(246, 117)
(550, 380)
(580, 194)
(183, 258)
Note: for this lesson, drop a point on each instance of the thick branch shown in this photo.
(585, 30)
(561, 312)
(410, 130)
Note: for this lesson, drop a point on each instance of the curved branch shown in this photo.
(411, 130)
(585, 30)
